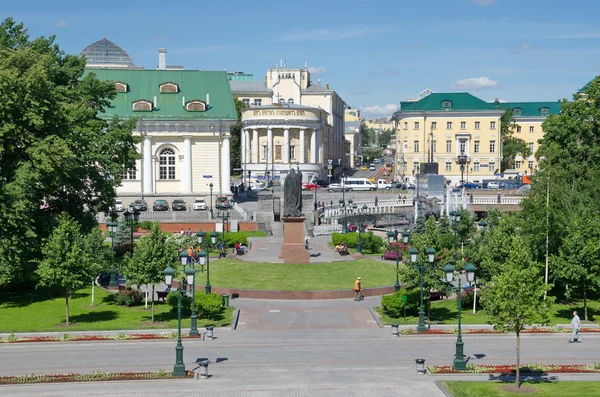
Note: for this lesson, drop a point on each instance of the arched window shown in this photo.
(281, 100)
(291, 101)
(517, 111)
(166, 161)
(168, 88)
(120, 87)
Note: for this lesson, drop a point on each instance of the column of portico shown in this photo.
(269, 146)
(225, 172)
(243, 142)
(313, 146)
(255, 146)
(286, 146)
(318, 144)
(147, 165)
(301, 158)
(186, 172)
(247, 146)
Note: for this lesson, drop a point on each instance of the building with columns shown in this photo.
(184, 121)
(288, 90)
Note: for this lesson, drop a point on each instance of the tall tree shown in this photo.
(511, 145)
(514, 298)
(236, 138)
(366, 137)
(101, 255)
(66, 263)
(153, 253)
(56, 153)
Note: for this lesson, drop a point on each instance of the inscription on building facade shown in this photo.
(278, 113)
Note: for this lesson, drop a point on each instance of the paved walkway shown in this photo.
(267, 249)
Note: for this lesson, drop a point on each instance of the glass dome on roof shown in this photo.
(106, 53)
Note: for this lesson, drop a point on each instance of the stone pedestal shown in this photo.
(292, 250)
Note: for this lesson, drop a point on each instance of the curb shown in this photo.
(442, 388)
(376, 317)
(236, 317)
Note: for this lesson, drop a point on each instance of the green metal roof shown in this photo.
(193, 85)
(531, 109)
(460, 101)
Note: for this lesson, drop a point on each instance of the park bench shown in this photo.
(391, 255)
(436, 295)
(162, 295)
(344, 252)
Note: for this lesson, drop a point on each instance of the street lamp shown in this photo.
(462, 160)
(459, 362)
(248, 186)
(455, 219)
(223, 206)
(179, 367)
(112, 230)
(421, 267)
(132, 218)
(204, 257)
(211, 207)
(482, 225)
(190, 271)
(392, 240)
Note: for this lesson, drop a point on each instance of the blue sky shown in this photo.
(375, 53)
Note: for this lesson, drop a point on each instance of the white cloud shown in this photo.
(328, 34)
(375, 110)
(61, 23)
(475, 83)
(317, 70)
(485, 2)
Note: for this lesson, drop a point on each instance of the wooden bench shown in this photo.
(162, 295)
(391, 255)
(344, 252)
(436, 295)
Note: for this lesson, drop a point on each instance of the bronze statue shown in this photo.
(292, 194)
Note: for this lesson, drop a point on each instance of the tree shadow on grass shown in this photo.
(94, 316)
(10, 300)
(442, 314)
(528, 378)
(567, 314)
(168, 316)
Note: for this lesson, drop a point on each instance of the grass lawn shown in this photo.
(287, 277)
(542, 389)
(35, 312)
(446, 312)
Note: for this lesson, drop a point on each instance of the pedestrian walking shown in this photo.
(575, 322)
(376, 201)
(222, 253)
(307, 242)
(357, 289)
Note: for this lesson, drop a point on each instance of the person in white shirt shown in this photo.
(575, 337)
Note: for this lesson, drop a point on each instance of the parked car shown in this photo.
(199, 205)
(493, 185)
(118, 207)
(140, 205)
(363, 168)
(309, 186)
(178, 205)
(160, 205)
(372, 167)
(335, 187)
(468, 185)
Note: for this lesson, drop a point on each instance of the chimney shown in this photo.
(207, 99)
(496, 101)
(327, 86)
(162, 59)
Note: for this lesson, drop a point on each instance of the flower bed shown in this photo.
(511, 369)
(71, 338)
(96, 376)
(534, 330)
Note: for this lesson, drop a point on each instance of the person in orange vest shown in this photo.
(357, 289)
(190, 253)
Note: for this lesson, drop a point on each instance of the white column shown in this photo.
(301, 158)
(147, 165)
(286, 146)
(186, 172)
(269, 146)
(243, 142)
(318, 148)
(255, 146)
(313, 146)
(225, 173)
(247, 146)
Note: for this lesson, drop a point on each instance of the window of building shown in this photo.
(258, 102)
(246, 102)
(277, 152)
(530, 164)
(142, 106)
(492, 165)
(530, 144)
(544, 111)
(434, 146)
(265, 152)
(281, 101)
(291, 101)
(448, 125)
(492, 125)
(434, 125)
(416, 146)
(531, 128)
(166, 161)
(477, 125)
(168, 88)
(405, 127)
(492, 146)
(476, 147)
(517, 112)
(121, 87)
(448, 146)
(463, 125)
(462, 146)
(416, 125)
(195, 106)
(129, 174)
(446, 104)
(415, 166)
(293, 152)
(476, 166)
(448, 166)
(518, 128)
(517, 164)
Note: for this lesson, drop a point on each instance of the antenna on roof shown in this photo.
(207, 98)
(305, 64)
(183, 101)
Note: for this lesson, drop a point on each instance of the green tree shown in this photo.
(515, 297)
(511, 145)
(371, 153)
(100, 254)
(56, 153)
(365, 135)
(66, 262)
(578, 262)
(153, 253)
(236, 138)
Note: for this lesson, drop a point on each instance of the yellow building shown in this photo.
(351, 115)
(440, 127)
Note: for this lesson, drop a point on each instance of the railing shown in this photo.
(326, 230)
(382, 207)
(182, 216)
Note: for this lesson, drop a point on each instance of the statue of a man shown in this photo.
(292, 194)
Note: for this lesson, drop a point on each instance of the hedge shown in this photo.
(393, 305)
(370, 243)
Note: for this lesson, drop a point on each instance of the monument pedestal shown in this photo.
(292, 250)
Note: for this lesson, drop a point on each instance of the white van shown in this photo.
(351, 184)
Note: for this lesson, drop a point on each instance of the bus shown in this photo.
(351, 184)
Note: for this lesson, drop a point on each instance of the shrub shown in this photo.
(370, 243)
(209, 305)
(146, 225)
(468, 296)
(393, 305)
(128, 297)
(186, 303)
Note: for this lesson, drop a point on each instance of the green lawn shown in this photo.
(35, 312)
(287, 277)
(446, 312)
(543, 389)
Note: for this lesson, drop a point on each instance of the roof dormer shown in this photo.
(544, 111)
(121, 87)
(446, 104)
(168, 88)
(517, 112)
(142, 105)
(195, 105)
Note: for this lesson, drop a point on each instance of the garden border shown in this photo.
(301, 295)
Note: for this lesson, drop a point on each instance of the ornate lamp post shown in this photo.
(455, 219)
(459, 362)
(183, 256)
(482, 225)
(112, 230)
(462, 160)
(223, 206)
(204, 257)
(212, 216)
(392, 240)
(131, 219)
(421, 267)
(179, 367)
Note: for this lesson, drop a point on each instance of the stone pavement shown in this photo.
(267, 249)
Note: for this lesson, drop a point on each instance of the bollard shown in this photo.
(210, 332)
(421, 370)
(395, 331)
(225, 300)
(202, 371)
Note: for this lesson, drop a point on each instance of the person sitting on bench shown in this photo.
(240, 247)
(342, 249)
